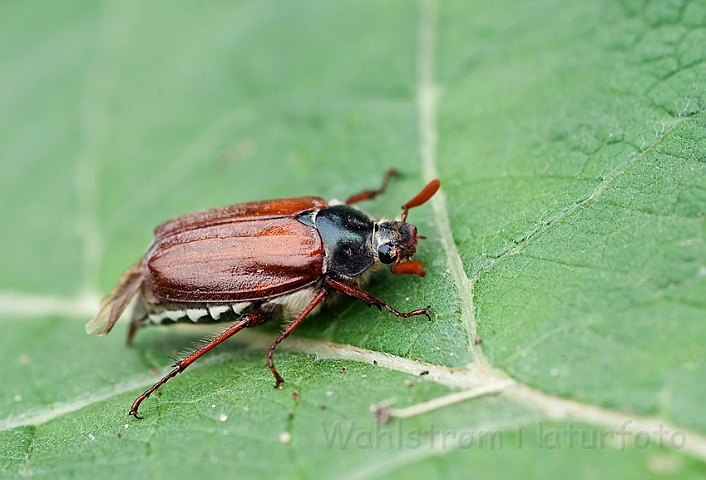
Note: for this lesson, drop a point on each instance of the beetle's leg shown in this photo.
(249, 320)
(370, 194)
(285, 333)
(131, 332)
(371, 300)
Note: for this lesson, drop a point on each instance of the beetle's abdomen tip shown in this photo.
(98, 325)
(91, 330)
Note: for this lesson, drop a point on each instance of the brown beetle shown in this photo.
(250, 262)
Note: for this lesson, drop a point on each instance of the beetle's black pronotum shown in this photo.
(250, 262)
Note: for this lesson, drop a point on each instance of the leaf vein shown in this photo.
(543, 226)
(427, 107)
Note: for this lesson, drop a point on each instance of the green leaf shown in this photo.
(566, 251)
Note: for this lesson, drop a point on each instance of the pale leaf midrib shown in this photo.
(555, 408)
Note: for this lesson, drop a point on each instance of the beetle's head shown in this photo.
(395, 241)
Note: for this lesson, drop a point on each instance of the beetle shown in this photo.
(251, 262)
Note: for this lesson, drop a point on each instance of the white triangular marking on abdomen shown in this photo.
(217, 311)
(195, 313)
(239, 307)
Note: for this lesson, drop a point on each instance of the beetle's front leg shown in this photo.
(370, 300)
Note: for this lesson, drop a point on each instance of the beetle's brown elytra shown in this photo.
(251, 262)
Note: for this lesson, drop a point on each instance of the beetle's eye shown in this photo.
(385, 252)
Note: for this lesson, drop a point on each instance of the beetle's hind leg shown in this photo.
(370, 194)
(249, 320)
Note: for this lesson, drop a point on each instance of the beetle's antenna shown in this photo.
(421, 198)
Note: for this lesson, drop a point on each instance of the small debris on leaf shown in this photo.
(382, 414)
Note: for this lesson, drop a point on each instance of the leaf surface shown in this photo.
(570, 141)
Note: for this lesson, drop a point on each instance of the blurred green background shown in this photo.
(567, 252)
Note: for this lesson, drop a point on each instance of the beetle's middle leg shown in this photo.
(250, 320)
(370, 300)
(285, 333)
(370, 194)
